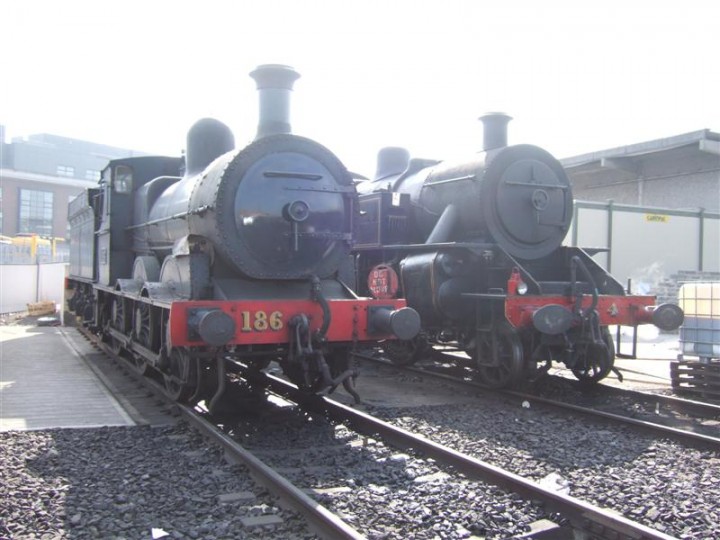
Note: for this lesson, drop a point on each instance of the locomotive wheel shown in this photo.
(260, 364)
(144, 334)
(116, 346)
(405, 352)
(139, 364)
(596, 362)
(207, 385)
(117, 321)
(181, 376)
(117, 314)
(509, 351)
(144, 331)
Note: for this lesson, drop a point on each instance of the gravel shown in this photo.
(121, 483)
(115, 483)
(662, 484)
(385, 493)
(124, 482)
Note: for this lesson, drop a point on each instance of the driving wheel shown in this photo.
(499, 357)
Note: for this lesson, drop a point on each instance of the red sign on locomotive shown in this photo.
(383, 282)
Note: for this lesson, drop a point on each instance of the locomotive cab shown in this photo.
(121, 186)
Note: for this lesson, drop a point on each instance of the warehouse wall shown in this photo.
(647, 244)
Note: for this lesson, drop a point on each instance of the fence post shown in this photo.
(37, 279)
(701, 232)
(610, 233)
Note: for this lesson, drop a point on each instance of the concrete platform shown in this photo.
(45, 384)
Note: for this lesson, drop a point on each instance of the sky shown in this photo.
(576, 76)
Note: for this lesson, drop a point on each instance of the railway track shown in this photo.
(323, 522)
(687, 421)
(691, 422)
(369, 431)
(582, 516)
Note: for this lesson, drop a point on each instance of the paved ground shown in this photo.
(51, 377)
(45, 384)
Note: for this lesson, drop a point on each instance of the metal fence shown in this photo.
(13, 253)
(647, 244)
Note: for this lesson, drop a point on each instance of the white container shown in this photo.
(700, 332)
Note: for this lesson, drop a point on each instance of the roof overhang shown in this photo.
(627, 158)
(11, 174)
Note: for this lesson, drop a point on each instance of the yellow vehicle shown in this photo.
(34, 244)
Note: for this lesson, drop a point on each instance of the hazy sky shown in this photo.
(576, 76)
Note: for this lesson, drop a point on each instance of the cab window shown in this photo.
(123, 179)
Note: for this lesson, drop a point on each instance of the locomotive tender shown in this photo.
(475, 247)
(234, 259)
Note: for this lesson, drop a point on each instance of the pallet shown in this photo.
(696, 377)
(41, 308)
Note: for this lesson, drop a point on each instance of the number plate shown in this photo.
(261, 321)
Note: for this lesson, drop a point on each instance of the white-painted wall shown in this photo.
(23, 284)
(647, 244)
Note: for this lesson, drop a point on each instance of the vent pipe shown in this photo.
(274, 84)
(494, 130)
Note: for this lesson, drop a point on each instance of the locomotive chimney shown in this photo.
(274, 84)
(494, 130)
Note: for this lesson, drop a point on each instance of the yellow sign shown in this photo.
(657, 218)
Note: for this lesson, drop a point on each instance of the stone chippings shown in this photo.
(640, 408)
(659, 483)
(120, 483)
(387, 494)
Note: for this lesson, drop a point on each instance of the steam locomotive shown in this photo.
(191, 266)
(475, 247)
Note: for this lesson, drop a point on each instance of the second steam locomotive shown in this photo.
(475, 246)
(192, 267)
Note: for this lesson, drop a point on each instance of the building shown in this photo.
(679, 173)
(655, 207)
(40, 174)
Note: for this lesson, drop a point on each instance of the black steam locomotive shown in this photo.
(234, 259)
(475, 247)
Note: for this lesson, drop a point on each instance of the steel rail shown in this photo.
(653, 427)
(688, 406)
(583, 516)
(320, 520)
(676, 433)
